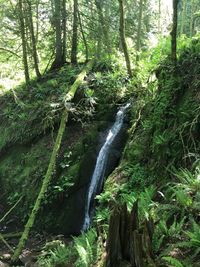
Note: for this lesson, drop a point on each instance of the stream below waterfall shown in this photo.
(98, 175)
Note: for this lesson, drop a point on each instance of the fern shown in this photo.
(86, 248)
(172, 261)
(188, 179)
(194, 235)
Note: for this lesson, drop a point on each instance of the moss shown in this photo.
(22, 169)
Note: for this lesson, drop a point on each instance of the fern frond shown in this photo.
(172, 261)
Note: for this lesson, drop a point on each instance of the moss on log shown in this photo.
(68, 98)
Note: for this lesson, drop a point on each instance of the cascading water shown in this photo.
(100, 167)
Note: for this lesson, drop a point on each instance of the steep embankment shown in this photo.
(28, 126)
(161, 169)
(158, 179)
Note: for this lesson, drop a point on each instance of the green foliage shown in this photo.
(137, 175)
(188, 180)
(55, 254)
(83, 251)
(194, 235)
(87, 249)
(172, 261)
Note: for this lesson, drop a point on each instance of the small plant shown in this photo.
(146, 203)
(172, 261)
(86, 248)
(55, 253)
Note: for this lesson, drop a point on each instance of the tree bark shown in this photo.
(58, 62)
(68, 98)
(159, 17)
(64, 29)
(123, 38)
(139, 30)
(128, 240)
(84, 38)
(183, 17)
(33, 40)
(174, 31)
(192, 18)
(75, 34)
(104, 28)
(24, 44)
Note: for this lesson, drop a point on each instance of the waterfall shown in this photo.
(100, 167)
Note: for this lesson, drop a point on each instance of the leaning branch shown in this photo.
(10, 210)
(6, 243)
(9, 51)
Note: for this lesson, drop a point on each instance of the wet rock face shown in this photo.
(71, 214)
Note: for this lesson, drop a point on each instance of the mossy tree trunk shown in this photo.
(123, 37)
(64, 28)
(75, 34)
(183, 16)
(192, 18)
(174, 31)
(24, 42)
(83, 36)
(57, 18)
(68, 98)
(104, 25)
(33, 39)
(139, 30)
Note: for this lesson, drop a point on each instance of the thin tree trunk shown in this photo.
(24, 44)
(58, 45)
(183, 19)
(123, 38)
(9, 51)
(75, 34)
(174, 31)
(83, 36)
(64, 26)
(68, 98)
(98, 4)
(192, 18)
(159, 17)
(138, 44)
(37, 21)
(33, 40)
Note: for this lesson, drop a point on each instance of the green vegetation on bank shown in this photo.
(67, 67)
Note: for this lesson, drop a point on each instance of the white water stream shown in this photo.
(100, 167)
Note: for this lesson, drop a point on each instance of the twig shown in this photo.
(9, 51)
(11, 235)
(6, 243)
(10, 210)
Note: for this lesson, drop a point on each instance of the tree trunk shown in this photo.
(174, 31)
(192, 18)
(64, 29)
(75, 34)
(139, 30)
(84, 38)
(128, 241)
(24, 44)
(123, 38)
(183, 17)
(104, 28)
(33, 39)
(68, 98)
(58, 62)
(159, 17)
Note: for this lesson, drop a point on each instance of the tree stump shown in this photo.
(128, 240)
